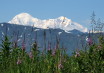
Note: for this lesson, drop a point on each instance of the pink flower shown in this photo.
(89, 41)
(60, 66)
(31, 55)
(99, 47)
(53, 53)
(19, 61)
(23, 46)
(49, 47)
(55, 47)
(77, 54)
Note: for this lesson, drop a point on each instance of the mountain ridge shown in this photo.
(60, 22)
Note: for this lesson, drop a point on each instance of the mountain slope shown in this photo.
(19, 32)
(60, 22)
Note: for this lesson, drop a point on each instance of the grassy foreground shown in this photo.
(14, 59)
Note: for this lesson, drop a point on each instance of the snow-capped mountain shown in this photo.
(24, 19)
(60, 22)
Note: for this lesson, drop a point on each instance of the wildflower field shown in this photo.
(15, 59)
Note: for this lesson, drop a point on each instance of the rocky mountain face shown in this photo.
(69, 40)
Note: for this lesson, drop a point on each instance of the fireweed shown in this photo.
(53, 61)
(31, 55)
(89, 41)
(77, 54)
(19, 61)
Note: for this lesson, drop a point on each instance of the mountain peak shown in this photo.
(62, 18)
(22, 15)
(61, 22)
(23, 19)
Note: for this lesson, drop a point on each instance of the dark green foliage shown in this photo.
(16, 60)
(6, 46)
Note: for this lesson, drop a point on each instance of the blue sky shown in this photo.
(77, 10)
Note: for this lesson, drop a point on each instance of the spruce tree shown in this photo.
(5, 46)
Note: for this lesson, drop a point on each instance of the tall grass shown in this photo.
(15, 59)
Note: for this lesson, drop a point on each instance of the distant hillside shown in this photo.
(69, 40)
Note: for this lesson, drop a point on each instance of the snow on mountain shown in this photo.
(24, 19)
(60, 22)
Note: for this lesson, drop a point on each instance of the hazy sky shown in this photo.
(77, 10)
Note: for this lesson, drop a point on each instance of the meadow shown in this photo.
(15, 59)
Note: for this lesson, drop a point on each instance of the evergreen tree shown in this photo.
(5, 46)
